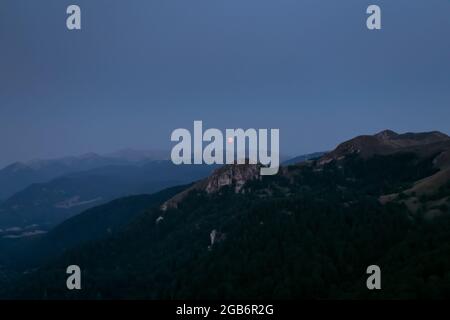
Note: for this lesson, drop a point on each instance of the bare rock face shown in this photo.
(159, 220)
(216, 237)
(236, 175)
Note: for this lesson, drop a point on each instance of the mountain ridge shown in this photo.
(388, 142)
(19, 175)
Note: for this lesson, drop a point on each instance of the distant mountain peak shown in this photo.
(386, 134)
(17, 166)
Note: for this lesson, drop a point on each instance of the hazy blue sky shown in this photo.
(140, 69)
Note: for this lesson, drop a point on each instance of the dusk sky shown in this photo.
(140, 69)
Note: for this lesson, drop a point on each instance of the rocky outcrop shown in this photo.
(216, 237)
(232, 175)
(236, 176)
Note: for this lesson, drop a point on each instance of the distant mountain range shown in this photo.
(20, 175)
(309, 232)
(43, 205)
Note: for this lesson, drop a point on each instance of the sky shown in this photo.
(140, 69)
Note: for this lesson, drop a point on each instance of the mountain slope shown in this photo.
(93, 224)
(236, 245)
(309, 232)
